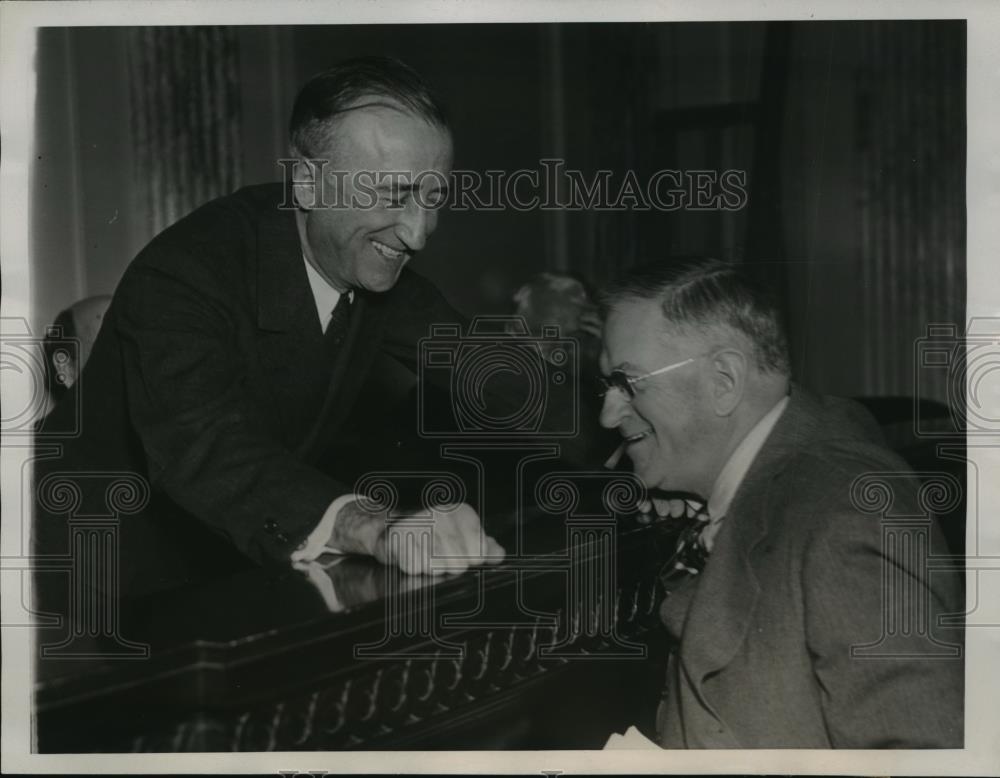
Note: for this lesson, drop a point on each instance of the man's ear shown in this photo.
(729, 378)
(304, 173)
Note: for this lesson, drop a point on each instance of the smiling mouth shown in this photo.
(619, 452)
(388, 252)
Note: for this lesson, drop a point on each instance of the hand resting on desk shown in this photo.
(443, 540)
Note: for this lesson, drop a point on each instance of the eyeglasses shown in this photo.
(625, 383)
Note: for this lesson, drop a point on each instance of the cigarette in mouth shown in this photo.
(613, 460)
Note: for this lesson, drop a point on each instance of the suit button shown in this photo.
(281, 537)
(270, 525)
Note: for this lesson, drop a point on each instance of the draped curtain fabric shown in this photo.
(624, 63)
(911, 137)
(185, 96)
(607, 92)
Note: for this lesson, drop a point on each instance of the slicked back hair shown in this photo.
(353, 84)
(704, 293)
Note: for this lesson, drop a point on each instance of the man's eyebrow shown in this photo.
(395, 187)
(410, 187)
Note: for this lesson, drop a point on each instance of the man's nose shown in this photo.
(615, 408)
(415, 224)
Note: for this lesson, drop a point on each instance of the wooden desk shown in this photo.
(555, 648)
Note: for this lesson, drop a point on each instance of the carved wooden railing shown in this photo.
(342, 681)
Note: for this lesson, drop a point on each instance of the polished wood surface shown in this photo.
(555, 648)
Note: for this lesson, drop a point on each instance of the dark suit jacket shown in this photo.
(208, 379)
(798, 576)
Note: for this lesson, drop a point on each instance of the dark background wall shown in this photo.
(852, 135)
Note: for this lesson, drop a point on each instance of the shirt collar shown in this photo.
(739, 462)
(325, 296)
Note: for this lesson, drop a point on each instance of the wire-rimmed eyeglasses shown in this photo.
(623, 382)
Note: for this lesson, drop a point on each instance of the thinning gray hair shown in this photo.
(703, 294)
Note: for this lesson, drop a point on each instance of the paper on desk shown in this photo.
(632, 738)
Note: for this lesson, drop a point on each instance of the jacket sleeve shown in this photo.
(886, 677)
(205, 446)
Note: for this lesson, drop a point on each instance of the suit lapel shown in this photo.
(723, 604)
(354, 357)
(289, 336)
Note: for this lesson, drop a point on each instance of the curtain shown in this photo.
(911, 137)
(185, 97)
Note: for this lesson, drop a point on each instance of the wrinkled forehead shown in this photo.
(637, 338)
(389, 133)
(632, 335)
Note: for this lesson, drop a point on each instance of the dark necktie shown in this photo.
(325, 392)
(337, 328)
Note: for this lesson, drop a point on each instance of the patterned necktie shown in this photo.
(690, 553)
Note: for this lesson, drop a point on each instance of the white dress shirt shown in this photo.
(735, 470)
(326, 298)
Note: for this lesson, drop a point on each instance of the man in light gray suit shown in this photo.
(779, 594)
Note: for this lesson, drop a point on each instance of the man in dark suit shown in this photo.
(240, 338)
(785, 599)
